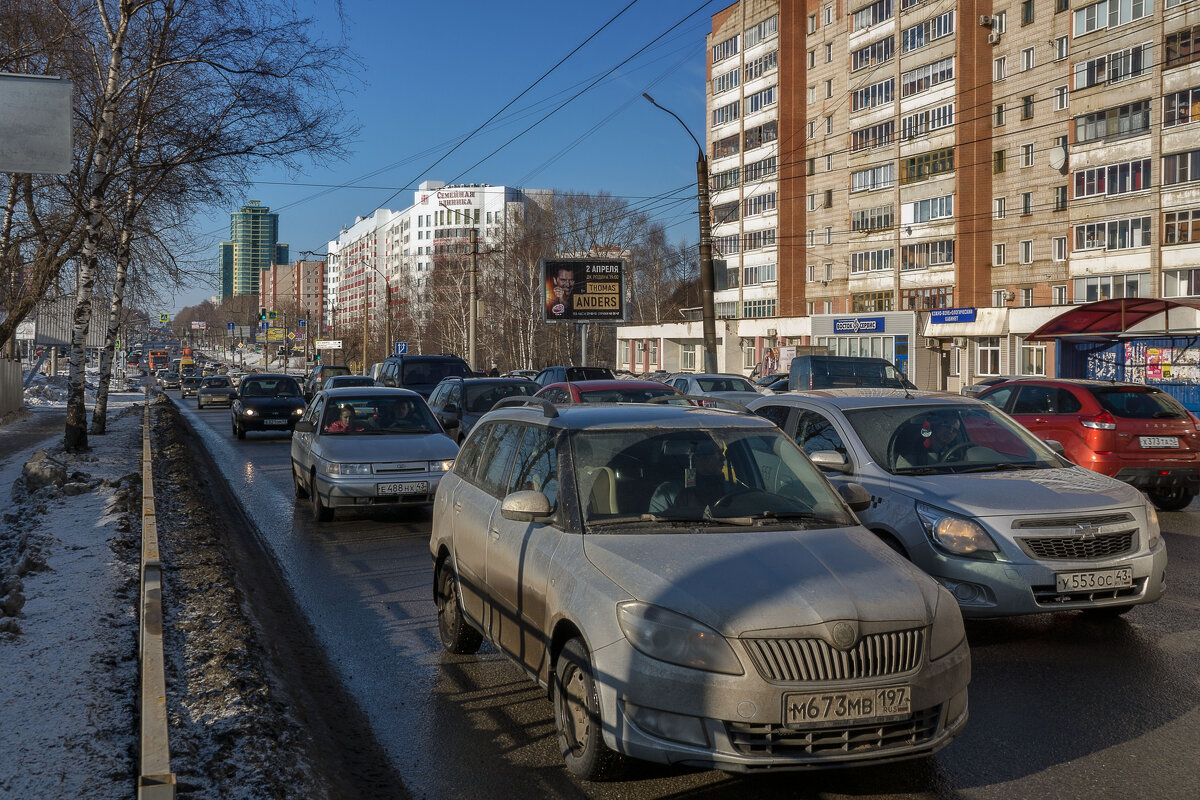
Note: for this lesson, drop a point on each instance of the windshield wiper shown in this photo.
(651, 518)
(919, 470)
(807, 516)
(1002, 467)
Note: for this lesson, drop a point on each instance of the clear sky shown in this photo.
(434, 72)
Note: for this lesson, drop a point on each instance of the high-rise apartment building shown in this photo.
(253, 246)
(929, 181)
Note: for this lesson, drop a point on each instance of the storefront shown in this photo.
(887, 335)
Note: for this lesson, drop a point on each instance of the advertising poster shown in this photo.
(584, 289)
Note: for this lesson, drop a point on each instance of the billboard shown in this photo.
(584, 289)
(35, 128)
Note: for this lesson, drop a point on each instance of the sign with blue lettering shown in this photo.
(946, 315)
(229, 326)
(859, 325)
(401, 348)
(301, 323)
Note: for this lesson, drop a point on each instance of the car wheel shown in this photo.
(320, 511)
(577, 717)
(456, 633)
(301, 492)
(1175, 499)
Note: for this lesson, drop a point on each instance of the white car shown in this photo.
(726, 387)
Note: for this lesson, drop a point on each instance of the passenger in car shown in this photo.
(346, 422)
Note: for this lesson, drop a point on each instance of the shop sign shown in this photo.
(859, 325)
(940, 316)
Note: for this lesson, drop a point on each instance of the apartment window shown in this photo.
(1001, 24)
(828, 199)
(762, 273)
(762, 169)
(759, 204)
(1000, 69)
(1058, 249)
(927, 165)
(1181, 168)
(926, 254)
(829, 124)
(812, 94)
(812, 202)
(1183, 46)
(1114, 67)
(726, 113)
(1033, 356)
(1106, 287)
(1115, 234)
(762, 31)
(727, 309)
(812, 23)
(999, 298)
(687, 357)
(728, 179)
(725, 49)
(828, 235)
(810, 166)
(871, 261)
(877, 94)
(1062, 48)
(1027, 155)
(927, 120)
(760, 135)
(727, 245)
(811, 239)
(812, 58)
(726, 147)
(997, 161)
(829, 163)
(871, 301)
(1131, 119)
(873, 54)
(926, 298)
(1181, 227)
(1181, 108)
(765, 63)
(810, 272)
(998, 208)
(926, 32)
(828, 15)
(987, 354)
(1027, 107)
(878, 177)
(723, 83)
(998, 254)
(829, 88)
(1027, 297)
(810, 307)
(829, 53)
(872, 219)
(1026, 59)
(756, 309)
(828, 306)
(828, 272)
(872, 14)
(1026, 203)
(1115, 179)
(927, 210)
(725, 212)
(999, 115)
(926, 77)
(1060, 198)
(1061, 97)
(1026, 254)
(879, 135)
(760, 100)
(1027, 12)
(1058, 295)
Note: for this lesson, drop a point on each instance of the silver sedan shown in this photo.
(720, 385)
(368, 446)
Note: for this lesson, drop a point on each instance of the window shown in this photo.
(755, 240)
(870, 15)
(829, 53)
(536, 463)
(1026, 59)
(926, 254)
(829, 163)
(812, 237)
(998, 162)
(762, 169)
(871, 137)
(812, 58)
(725, 49)
(998, 208)
(926, 298)
(1183, 47)
(1060, 198)
(998, 254)
(728, 179)
(1026, 251)
(999, 298)
(1115, 179)
(725, 212)
(1033, 356)
(755, 309)
(1027, 155)
(687, 357)
(727, 245)
(927, 120)
(926, 32)
(927, 210)
(811, 275)
(760, 135)
(1027, 107)
(828, 15)
(1027, 294)
(873, 54)
(999, 115)
(879, 177)
(760, 100)
(1058, 251)
(829, 124)
(762, 31)
(829, 272)
(1117, 234)
(1106, 287)
(1181, 108)
(1114, 67)
(723, 83)
(872, 219)
(927, 165)
(759, 204)
(812, 23)
(1058, 294)
(1180, 282)
(877, 94)
(1061, 97)
(1181, 168)
(828, 235)
(760, 66)
(987, 355)
(871, 301)
(1061, 48)
(871, 261)
(1026, 12)
(1181, 227)
(1001, 24)
(1065, 5)
(923, 78)
(725, 147)
(1000, 69)
(829, 88)
(726, 113)
(1026, 203)
(812, 203)
(762, 273)
(810, 166)
(1131, 119)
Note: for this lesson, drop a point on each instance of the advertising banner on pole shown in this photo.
(584, 290)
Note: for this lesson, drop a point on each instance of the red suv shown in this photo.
(1135, 433)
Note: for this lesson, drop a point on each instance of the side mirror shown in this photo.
(858, 498)
(525, 506)
(450, 409)
(305, 426)
(449, 424)
(1056, 446)
(830, 461)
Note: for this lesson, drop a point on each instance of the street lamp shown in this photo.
(707, 282)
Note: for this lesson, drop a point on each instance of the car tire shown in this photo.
(320, 511)
(577, 718)
(456, 633)
(1175, 499)
(301, 492)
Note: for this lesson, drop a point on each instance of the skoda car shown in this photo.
(978, 502)
(691, 590)
(365, 446)
(267, 403)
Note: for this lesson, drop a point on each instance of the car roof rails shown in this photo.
(548, 408)
(704, 401)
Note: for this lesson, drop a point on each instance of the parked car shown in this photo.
(346, 381)
(215, 390)
(738, 628)
(727, 387)
(615, 391)
(422, 373)
(188, 386)
(368, 446)
(983, 384)
(267, 402)
(1135, 433)
(766, 380)
(169, 380)
(842, 372)
(551, 375)
(458, 415)
(321, 373)
(975, 500)
(528, 374)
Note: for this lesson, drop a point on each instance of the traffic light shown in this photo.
(262, 313)
(318, 358)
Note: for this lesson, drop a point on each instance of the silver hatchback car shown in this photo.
(979, 503)
(691, 590)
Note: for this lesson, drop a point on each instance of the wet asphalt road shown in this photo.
(1061, 706)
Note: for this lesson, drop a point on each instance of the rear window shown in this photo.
(481, 397)
(725, 385)
(1134, 402)
(427, 372)
(329, 372)
(588, 373)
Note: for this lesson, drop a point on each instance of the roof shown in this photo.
(368, 391)
(615, 384)
(1109, 319)
(618, 416)
(868, 398)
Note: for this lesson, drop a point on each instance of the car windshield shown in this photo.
(721, 476)
(426, 372)
(329, 372)
(270, 387)
(929, 439)
(375, 415)
(588, 373)
(631, 395)
(481, 397)
(725, 384)
(1136, 402)
(216, 383)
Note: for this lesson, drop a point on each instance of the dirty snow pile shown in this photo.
(51, 390)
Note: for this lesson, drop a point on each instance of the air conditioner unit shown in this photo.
(993, 38)
(960, 341)
(1010, 296)
(772, 332)
(986, 21)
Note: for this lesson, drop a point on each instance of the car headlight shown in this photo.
(335, 468)
(1153, 532)
(249, 412)
(676, 639)
(441, 466)
(948, 628)
(297, 412)
(959, 535)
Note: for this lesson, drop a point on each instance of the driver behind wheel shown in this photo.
(702, 483)
(938, 434)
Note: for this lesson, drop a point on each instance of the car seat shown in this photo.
(600, 487)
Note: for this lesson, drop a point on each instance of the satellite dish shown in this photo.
(1058, 157)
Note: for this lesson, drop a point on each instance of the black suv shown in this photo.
(422, 373)
(314, 382)
(551, 375)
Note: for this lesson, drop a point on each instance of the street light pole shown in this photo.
(707, 281)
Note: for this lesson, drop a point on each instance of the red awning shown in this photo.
(1108, 319)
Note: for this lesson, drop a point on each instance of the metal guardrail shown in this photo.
(155, 779)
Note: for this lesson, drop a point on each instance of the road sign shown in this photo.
(291, 336)
(264, 325)
(301, 323)
(229, 326)
(118, 344)
(328, 344)
(271, 315)
(164, 318)
(400, 348)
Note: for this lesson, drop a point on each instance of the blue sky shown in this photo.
(436, 71)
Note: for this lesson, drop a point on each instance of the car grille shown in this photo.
(1072, 522)
(401, 467)
(1076, 548)
(788, 660)
(780, 740)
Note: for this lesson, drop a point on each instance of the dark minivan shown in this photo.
(422, 373)
(844, 372)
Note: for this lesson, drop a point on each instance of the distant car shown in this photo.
(766, 381)
(1135, 433)
(1003, 522)
(529, 374)
(169, 380)
(368, 446)
(320, 374)
(236, 375)
(614, 391)
(159, 374)
(215, 390)
(551, 375)
(725, 387)
(679, 614)
(983, 384)
(188, 385)
(346, 381)
(422, 373)
(458, 415)
(267, 402)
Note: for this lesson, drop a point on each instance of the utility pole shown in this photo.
(473, 314)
